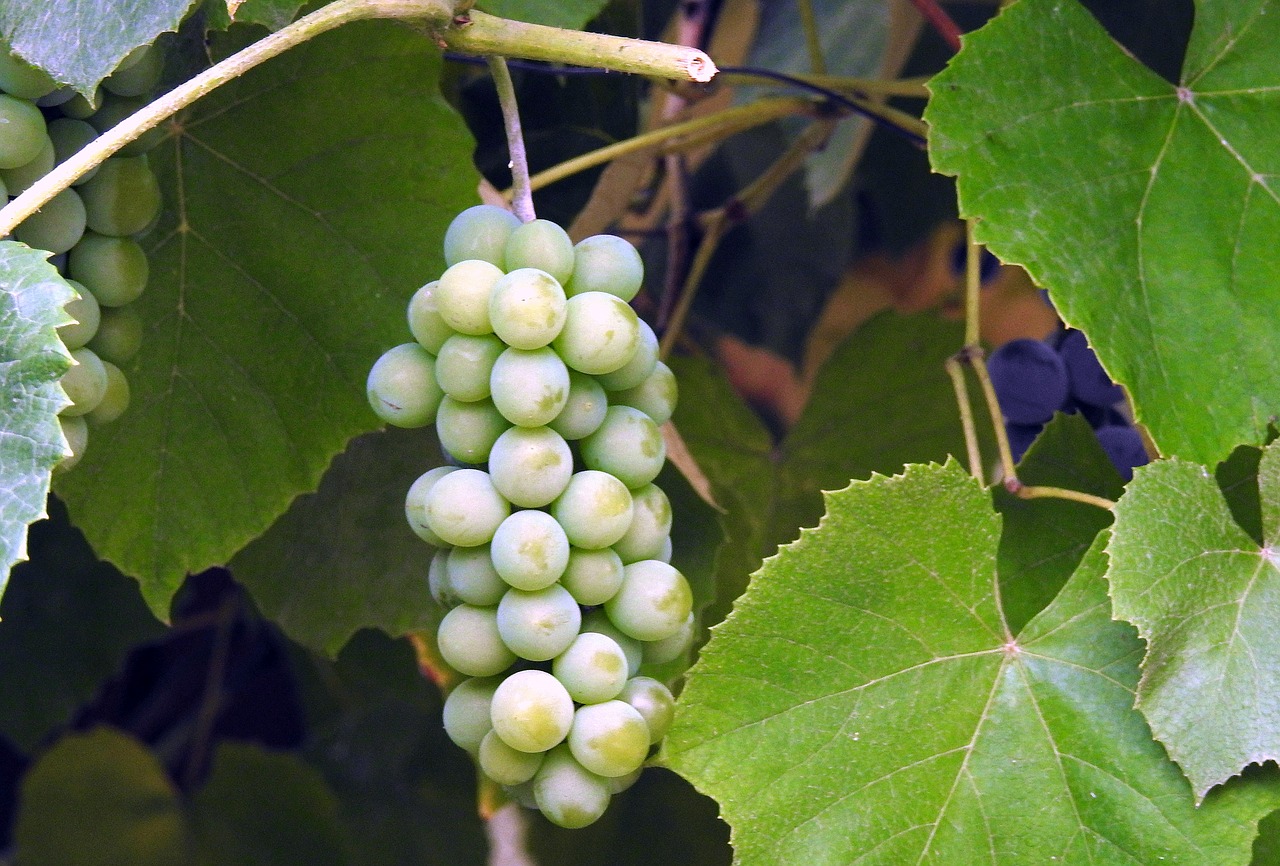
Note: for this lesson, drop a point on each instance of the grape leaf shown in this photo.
(104, 33)
(32, 359)
(272, 14)
(573, 14)
(279, 274)
(866, 703)
(1204, 596)
(1148, 210)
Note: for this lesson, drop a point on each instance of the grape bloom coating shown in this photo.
(554, 569)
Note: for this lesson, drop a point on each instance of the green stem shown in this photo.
(811, 38)
(972, 288)
(1040, 492)
(956, 371)
(976, 358)
(478, 33)
(522, 192)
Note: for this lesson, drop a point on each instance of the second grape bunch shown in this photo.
(553, 542)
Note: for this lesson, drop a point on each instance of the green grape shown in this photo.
(69, 137)
(462, 296)
(438, 582)
(21, 79)
(592, 576)
(659, 652)
(464, 508)
(650, 528)
(538, 625)
(114, 109)
(654, 702)
(479, 232)
(114, 400)
(17, 180)
(531, 711)
(469, 642)
(640, 367)
(610, 738)
(655, 396)
(114, 269)
(415, 504)
(527, 308)
(530, 550)
(472, 577)
(601, 333)
(402, 387)
(79, 108)
(606, 263)
(505, 765)
(85, 383)
(627, 445)
(618, 784)
(595, 509)
(138, 73)
(55, 98)
(468, 430)
(76, 432)
(543, 245)
(530, 387)
(57, 227)
(119, 335)
(466, 712)
(87, 314)
(568, 794)
(584, 410)
(593, 668)
(425, 322)
(530, 466)
(464, 364)
(653, 601)
(598, 621)
(123, 198)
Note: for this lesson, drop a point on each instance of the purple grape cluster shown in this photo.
(1034, 379)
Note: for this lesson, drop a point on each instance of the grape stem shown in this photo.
(471, 33)
(940, 21)
(955, 369)
(521, 191)
(812, 40)
(1029, 491)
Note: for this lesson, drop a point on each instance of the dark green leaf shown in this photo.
(272, 14)
(573, 14)
(279, 274)
(866, 703)
(1148, 210)
(1204, 596)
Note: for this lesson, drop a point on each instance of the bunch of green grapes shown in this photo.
(90, 228)
(553, 541)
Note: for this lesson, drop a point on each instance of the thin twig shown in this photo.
(972, 287)
(521, 191)
(1040, 492)
(977, 359)
(812, 40)
(956, 371)
(867, 87)
(940, 21)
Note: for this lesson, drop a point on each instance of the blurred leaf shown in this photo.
(573, 14)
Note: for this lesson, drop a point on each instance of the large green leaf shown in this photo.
(279, 274)
(272, 14)
(1204, 596)
(104, 32)
(32, 359)
(553, 13)
(866, 703)
(1148, 210)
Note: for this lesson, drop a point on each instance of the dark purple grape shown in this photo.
(1124, 446)
(1020, 438)
(1030, 381)
(1089, 383)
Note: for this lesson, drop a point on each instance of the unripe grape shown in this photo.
(138, 73)
(462, 296)
(598, 621)
(538, 625)
(650, 528)
(530, 466)
(543, 245)
(530, 550)
(527, 308)
(76, 432)
(472, 577)
(425, 322)
(479, 232)
(438, 582)
(87, 314)
(530, 387)
(627, 445)
(85, 383)
(609, 739)
(531, 711)
(639, 368)
(415, 504)
(601, 333)
(505, 765)
(653, 601)
(402, 387)
(114, 269)
(653, 701)
(606, 263)
(115, 400)
(595, 509)
(659, 652)
(593, 668)
(123, 197)
(464, 364)
(584, 410)
(22, 131)
(57, 227)
(468, 430)
(655, 396)
(119, 335)
(592, 576)
(469, 642)
(20, 79)
(568, 794)
(464, 508)
(466, 712)
(17, 180)
(69, 137)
